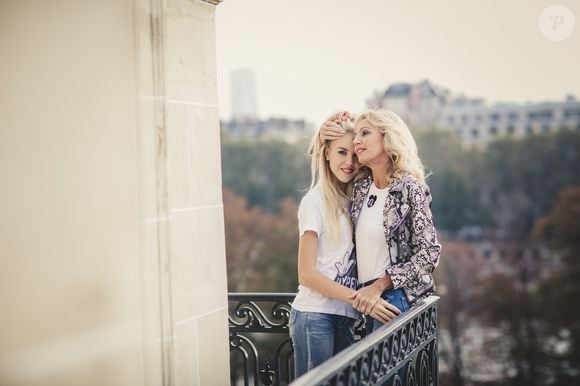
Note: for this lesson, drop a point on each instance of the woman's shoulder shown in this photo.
(412, 181)
(414, 185)
(313, 196)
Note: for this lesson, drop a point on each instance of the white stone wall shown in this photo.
(112, 263)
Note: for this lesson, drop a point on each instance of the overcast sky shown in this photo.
(311, 57)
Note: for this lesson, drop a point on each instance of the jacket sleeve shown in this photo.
(425, 248)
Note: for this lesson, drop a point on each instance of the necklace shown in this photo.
(372, 200)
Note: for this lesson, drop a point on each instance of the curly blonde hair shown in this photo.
(398, 142)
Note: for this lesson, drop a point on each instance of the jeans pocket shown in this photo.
(404, 304)
(292, 317)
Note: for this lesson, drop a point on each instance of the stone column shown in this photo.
(112, 263)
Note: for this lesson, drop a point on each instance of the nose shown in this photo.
(349, 161)
(356, 140)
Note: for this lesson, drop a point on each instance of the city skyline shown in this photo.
(313, 57)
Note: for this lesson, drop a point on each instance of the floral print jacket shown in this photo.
(409, 232)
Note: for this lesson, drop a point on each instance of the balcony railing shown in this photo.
(260, 347)
(403, 352)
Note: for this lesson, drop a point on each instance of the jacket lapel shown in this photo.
(361, 190)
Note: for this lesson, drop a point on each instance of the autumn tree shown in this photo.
(261, 247)
(456, 276)
(560, 231)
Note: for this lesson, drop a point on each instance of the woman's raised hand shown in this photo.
(330, 130)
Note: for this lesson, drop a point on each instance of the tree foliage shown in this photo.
(523, 287)
(261, 247)
(560, 230)
(266, 171)
(523, 177)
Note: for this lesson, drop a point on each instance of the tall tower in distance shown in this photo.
(243, 94)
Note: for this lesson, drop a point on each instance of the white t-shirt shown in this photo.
(371, 246)
(334, 257)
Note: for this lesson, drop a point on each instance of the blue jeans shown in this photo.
(395, 297)
(317, 337)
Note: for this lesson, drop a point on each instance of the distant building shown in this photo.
(288, 130)
(420, 105)
(243, 94)
(475, 123)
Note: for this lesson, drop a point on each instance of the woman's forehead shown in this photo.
(364, 123)
(344, 141)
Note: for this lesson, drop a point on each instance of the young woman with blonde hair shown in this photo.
(322, 317)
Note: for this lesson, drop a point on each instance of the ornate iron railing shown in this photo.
(253, 317)
(404, 352)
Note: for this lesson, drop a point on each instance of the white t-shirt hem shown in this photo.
(332, 311)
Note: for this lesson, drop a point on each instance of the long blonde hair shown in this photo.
(398, 142)
(335, 200)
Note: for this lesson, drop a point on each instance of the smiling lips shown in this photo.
(359, 150)
(347, 171)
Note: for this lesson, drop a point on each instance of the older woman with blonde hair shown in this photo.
(396, 242)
